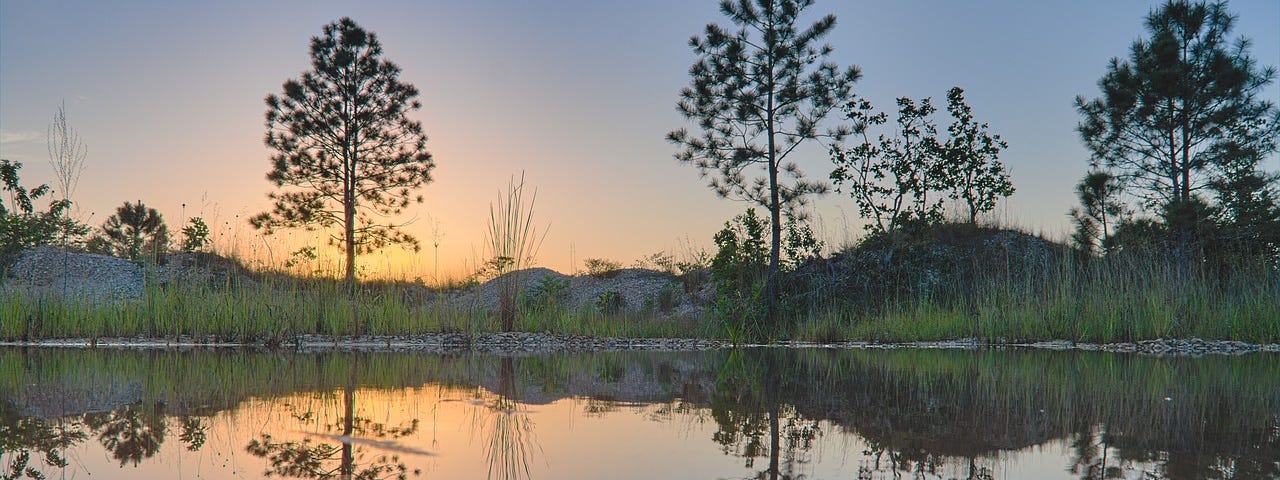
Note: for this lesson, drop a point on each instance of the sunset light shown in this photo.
(168, 99)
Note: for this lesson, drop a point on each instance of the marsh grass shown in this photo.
(275, 309)
(1128, 297)
(1122, 298)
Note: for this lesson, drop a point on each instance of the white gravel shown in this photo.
(50, 271)
(639, 289)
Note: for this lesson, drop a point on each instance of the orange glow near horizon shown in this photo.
(170, 106)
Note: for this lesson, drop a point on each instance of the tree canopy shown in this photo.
(1182, 106)
(347, 155)
(1181, 122)
(760, 89)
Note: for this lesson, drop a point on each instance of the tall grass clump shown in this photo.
(513, 241)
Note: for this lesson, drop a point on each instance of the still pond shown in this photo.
(768, 413)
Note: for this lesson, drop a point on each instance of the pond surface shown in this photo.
(757, 413)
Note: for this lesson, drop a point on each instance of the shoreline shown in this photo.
(526, 343)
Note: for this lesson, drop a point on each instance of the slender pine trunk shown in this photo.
(775, 216)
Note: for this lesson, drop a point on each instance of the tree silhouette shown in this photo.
(1100, 209)
(758, 93)
(971, 155)
(890, 177)
(21, 226)
(1184, 104)
(346, 153)
(135, 230)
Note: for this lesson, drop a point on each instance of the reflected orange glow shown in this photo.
(441, 432)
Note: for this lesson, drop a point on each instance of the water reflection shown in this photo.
(129, 433)
(776, 413)
(510, 441)
(341, 454)
(31, 443)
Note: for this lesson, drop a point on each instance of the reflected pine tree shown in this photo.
(21, 438)
(131, 433)
(193, 433)
(345, 457)
(753, 422)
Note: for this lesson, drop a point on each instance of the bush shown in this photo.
(195, 236)
(610, 302)
(602, 268)
(740, 268)
(21, 226)
(548, 293)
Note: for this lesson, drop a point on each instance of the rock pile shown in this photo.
(635, 289)
(50, 271)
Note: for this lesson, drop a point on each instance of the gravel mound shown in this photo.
(639, 290)
(53, 272)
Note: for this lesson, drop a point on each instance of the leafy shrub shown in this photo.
(602, 268)
(548, 293)
(610, 302)
(740, 267)
(21, 226)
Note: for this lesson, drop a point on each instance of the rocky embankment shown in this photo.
(626, 290)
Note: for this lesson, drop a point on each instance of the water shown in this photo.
(758, 413)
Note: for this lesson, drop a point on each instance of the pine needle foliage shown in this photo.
(347, 155)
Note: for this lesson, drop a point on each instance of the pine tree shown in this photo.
(1181, 108)
(347, 154)
(759, 91)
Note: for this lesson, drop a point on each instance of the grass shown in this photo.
(275, 309)
(1121, 298)
(1130, 297)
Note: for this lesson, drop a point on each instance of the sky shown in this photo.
(578, 95)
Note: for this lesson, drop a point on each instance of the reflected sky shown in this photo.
(773, 414)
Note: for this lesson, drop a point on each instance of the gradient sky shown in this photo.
(577, 94)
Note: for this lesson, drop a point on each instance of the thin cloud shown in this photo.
(17, 136)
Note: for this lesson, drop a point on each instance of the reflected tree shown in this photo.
(23, 440)
(193, 433)
(753, 422)
(341, 458)
(131, 433)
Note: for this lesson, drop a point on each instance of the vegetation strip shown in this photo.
(550, 343)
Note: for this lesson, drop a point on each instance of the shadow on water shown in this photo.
(913, 413)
